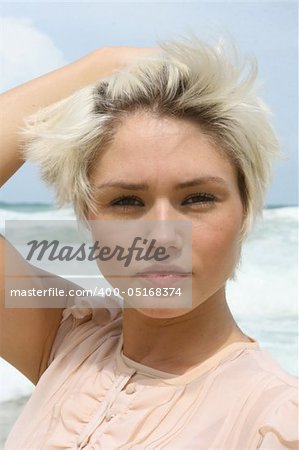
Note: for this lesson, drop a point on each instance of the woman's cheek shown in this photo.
(215, 248)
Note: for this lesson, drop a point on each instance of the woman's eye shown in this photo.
(126, 202)
(200, 199)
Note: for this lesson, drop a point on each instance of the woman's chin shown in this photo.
(162, 313)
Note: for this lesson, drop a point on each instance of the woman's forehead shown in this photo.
(144, 145)
(147, 126)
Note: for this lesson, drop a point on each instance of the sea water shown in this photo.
(263, 298)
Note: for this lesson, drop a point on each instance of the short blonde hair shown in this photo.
(187, 78)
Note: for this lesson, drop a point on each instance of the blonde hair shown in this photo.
(187, 78)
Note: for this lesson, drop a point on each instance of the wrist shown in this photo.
(103, 62)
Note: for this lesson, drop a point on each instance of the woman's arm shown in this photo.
(40, 92)
(27, 334)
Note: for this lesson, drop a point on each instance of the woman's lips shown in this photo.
(159, 279)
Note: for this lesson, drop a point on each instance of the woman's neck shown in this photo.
(177, 344)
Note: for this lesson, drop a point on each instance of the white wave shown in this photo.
(51, 214)
(14, 384)
(287, 212)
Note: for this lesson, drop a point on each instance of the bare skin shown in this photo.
(161, 153)
(27, 334)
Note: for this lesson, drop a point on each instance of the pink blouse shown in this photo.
(94, 397)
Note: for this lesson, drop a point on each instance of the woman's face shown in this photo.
(169, 170)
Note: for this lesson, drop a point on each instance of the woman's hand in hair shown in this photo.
(115, 58)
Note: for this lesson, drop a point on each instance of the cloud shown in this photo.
(25, 52)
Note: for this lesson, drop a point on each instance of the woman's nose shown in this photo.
(165, 226)
(163, 210)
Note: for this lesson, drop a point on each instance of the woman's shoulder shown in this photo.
(85, 320)
(267, 363)
(274, 403)
(267, 382)
(264, 398)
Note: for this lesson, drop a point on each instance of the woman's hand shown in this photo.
(125, 55)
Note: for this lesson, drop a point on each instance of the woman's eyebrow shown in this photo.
(123, 185)
(143, 186)
(202, 180)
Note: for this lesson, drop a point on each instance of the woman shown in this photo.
(178, 136)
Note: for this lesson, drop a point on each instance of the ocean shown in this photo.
(263, 298)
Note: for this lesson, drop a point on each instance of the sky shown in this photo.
(37, 37)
